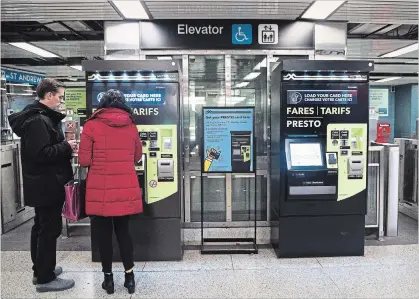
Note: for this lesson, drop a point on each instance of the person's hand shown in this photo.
(73, 144)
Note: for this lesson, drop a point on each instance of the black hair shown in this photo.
(114, 99)
(48, 85)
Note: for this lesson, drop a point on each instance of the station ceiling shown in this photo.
(73, 29)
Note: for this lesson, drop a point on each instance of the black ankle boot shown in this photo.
(108, 284)
(130, 282)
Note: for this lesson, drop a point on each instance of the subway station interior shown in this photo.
(279, 141)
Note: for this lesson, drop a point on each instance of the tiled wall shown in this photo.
(414, 109)
(406, 110)
(403, 109)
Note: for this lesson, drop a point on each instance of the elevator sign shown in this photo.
(268, 34)
(183, 29)
(226, 34)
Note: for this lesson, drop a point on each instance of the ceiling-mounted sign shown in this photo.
(226, 34)
(21, 77)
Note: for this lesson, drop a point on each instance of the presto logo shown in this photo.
(145, 111)
(296, 98)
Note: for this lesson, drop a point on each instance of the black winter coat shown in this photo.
(46, 156)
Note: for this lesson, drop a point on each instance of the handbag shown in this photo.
(75, 199)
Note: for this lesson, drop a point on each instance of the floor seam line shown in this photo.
(321, 266)
(334, 282)
(232, 264)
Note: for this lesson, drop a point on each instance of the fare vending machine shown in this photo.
(319, 157)
(151, 89)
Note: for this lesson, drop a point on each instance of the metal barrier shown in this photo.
(389, 186)
(408, 177)
(375, 201)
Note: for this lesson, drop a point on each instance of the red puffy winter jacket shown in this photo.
(109, 146)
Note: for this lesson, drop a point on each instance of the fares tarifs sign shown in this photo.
(310, 108)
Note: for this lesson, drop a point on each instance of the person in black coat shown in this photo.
(46, 166)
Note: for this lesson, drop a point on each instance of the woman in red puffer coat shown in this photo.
(109, 146)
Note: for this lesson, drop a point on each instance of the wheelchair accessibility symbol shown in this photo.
(241, 34)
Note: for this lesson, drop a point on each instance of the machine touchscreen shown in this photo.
(306, 154)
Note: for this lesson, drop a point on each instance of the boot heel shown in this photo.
(130, 282)
(131, 290)
(108, 284)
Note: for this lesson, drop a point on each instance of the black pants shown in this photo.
(45, 231)
(105, 226)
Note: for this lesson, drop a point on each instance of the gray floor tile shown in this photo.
(285, 283)
(266, 259)
(185, 284)
(237, 284)
(88, 285)
(20, 261)
(376, 256)
(387, 281)
(193, 260)
(397, 254)
(370, 258)
(80, 261)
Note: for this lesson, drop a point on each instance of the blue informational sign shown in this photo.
(322, 97)
(21, 77)
(136, 98)
(241, 34)
(228, 140)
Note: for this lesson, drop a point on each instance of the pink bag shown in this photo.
(74, 205)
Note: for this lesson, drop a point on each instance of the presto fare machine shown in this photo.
(319, 157)
(151, 89)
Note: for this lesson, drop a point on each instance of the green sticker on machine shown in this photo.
(350, 143)
(159, 162)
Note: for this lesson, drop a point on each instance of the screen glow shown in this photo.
(306, 154)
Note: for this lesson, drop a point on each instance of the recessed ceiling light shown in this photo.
(321, 10)
(34, 49)
(164, 57)
(131, 9)
(77, 67)
(264, 64)
(401, 51)
(387, 79)
(241, 84)
(251, 76)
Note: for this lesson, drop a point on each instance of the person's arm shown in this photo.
(86, 146)
(38, 142)
(138, 146)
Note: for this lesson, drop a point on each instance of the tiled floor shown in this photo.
(384, 272)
